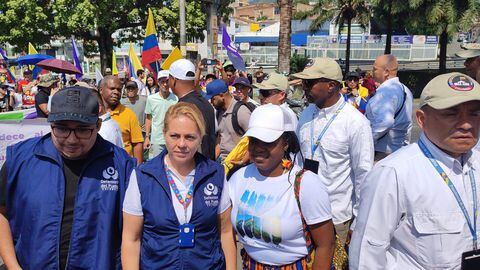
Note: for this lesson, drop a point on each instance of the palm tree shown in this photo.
(444, 18)
(343, 12)
(284, 39)
(391, 12)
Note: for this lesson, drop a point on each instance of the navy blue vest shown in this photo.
(160, 249)
(35, 199)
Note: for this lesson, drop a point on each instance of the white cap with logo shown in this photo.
(183, 69)
(268, 122)
(449, 90)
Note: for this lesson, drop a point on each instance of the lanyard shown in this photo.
(188, 199)
(317, 142)
(446, 179)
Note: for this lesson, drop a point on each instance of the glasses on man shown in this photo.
(308, 84)
(64, 132)
(352, 79)
(131, 89)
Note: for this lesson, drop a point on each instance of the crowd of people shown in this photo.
(180, 171)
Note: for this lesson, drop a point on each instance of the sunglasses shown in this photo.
(353, 79)
(267, 93)
(309, 84)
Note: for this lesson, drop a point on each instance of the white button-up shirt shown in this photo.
(408, 217)
(390, 132)
(345, 153)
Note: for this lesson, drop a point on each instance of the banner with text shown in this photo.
(13, 132)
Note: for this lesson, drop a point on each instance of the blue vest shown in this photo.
(35, 199)
(160, 248)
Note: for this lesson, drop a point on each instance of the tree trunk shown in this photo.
(442, 65)
(388, 44)
(347, 53)
(105, 44)
(284, 39)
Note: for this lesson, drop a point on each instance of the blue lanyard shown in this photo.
(317, 142)
(446, 179)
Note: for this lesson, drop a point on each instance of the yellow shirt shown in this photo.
(129, 125)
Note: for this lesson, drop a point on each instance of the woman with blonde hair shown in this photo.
(175, 212)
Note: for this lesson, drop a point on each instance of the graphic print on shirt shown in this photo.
(253, 221)
(211, 197)
(110, 179)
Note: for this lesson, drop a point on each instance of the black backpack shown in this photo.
(236, 126)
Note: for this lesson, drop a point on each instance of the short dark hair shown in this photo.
(230, 68)
(210, 76)
(140, 72)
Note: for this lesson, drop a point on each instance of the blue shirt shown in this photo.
(390, 132)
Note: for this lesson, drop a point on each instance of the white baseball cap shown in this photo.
(183, 69)
(163, 74)
(268, 122)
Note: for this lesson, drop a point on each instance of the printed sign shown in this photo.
(13, 132)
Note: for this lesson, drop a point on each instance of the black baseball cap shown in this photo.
(131, 84)
(74, 103)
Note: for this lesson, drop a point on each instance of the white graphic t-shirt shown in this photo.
(266, 217)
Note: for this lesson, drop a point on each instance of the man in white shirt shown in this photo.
(409, 216)
(335, 139)
(390, 109)
(273, 90)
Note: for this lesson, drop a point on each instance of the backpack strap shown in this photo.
(236, 126)
(306, 231)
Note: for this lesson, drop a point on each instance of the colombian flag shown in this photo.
(150, 51)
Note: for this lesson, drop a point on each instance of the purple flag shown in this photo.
(232, 52)
(76, 60)
(3, 54)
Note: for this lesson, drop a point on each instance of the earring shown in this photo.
(286, 162)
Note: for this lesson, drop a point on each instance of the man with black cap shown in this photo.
(135, 102)
(61, 194)
(243, 90)
(182, 83)
(418, 206)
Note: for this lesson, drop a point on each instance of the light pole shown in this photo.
(183, 34)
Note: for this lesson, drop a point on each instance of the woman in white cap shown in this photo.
(281, 214)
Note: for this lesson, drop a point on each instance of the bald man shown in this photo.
(111, 91)
(390, 109)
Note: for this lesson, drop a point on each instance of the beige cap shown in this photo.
(273, 81)
(46, 80)
(321, 68)
(449, 90)
(468, 53)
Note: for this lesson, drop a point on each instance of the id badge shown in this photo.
(471, 260)
(311, 165)
(187, 235)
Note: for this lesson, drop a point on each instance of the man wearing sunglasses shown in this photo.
(61, 194)
(335, 139)
(273, 89)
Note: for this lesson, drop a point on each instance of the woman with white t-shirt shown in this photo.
(176, 211)
(265, 211)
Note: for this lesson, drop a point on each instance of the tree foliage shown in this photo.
(341, 13)
(25, 21)
(95, 21)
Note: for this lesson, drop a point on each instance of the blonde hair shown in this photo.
(188, 110)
